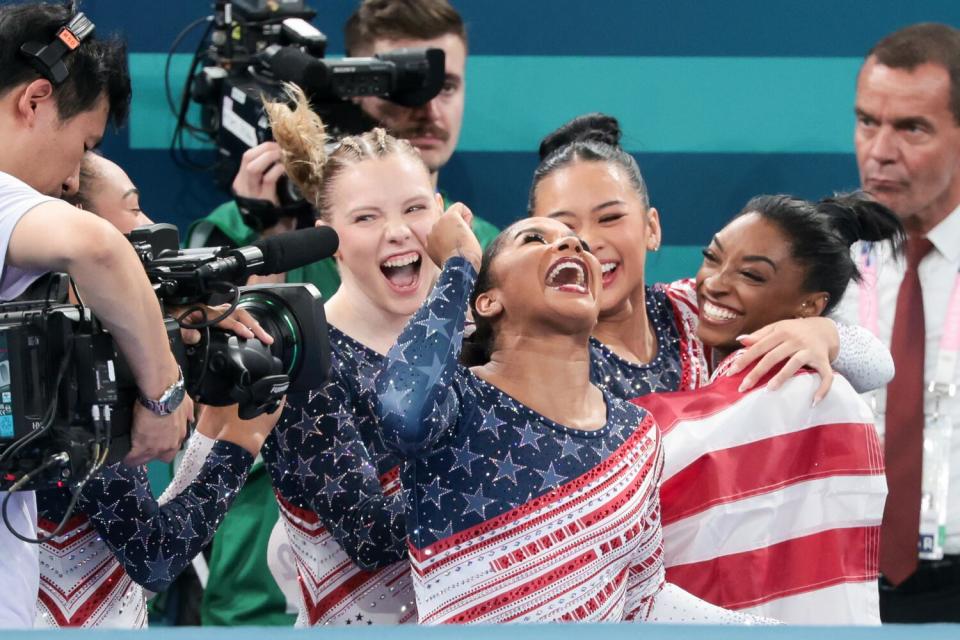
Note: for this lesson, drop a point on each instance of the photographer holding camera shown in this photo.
(58, 88)
(377, 26)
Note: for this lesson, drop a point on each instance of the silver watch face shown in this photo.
(175, 398)
(169, 401)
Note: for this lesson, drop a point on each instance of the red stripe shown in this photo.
(617, 528)
(497, 524)
(788, 568)
(723, 476)
(91, 604)
(524, 589)
(306, 515)
(346, 589)
(93, 575)
(391, 476)
(72, 530)
(694, 355)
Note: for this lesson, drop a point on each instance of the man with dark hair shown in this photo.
(907, 140)
(382, 25)
(58, 88)
(434, 128)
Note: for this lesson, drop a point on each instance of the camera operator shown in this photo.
(433, 128)
(51, 111)
(255, 185)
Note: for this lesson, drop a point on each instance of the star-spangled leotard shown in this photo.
(121, 540)
(338, 491)
(511, 516)
(678, 363)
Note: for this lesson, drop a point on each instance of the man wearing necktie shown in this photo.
(907, 139)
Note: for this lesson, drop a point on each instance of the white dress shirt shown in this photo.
(938, 273)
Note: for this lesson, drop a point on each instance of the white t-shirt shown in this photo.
(19, 562)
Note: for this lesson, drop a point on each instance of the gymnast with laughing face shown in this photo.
(532, 495)
(646, 338)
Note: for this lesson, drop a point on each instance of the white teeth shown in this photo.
(401, 261)
(717, 313)
(569, 264)
(608, 267)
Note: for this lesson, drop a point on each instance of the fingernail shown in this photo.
(740, 338)
(815, 402)
(743, 386)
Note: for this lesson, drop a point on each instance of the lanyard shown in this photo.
(938, 428)
(943, 383)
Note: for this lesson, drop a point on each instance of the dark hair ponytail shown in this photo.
(858, 217)
(821, 233)
(593, 137)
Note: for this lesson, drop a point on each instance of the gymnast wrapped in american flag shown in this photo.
(772, 504)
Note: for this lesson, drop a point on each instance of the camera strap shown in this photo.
(48, 58)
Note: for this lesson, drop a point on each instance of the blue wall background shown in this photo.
(719, 100)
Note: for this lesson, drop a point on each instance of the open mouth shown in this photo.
(569, 275)
(717, 314)
(608, 272)
(402, 271)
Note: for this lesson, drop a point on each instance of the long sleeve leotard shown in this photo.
(338, 492)
(121, 540)
(512, 516)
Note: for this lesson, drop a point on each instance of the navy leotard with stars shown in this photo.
(501, 498)
(155, 542)
(339, 495)
(666, 372)
(327, 455)
(121, 533)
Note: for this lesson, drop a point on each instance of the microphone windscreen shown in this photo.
(293, 65)
(286, 251)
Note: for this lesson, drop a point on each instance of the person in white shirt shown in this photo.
(907, 140)
(58, 88)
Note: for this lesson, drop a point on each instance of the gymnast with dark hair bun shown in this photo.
(657, 339)
(645, 339)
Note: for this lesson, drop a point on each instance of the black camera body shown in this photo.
(67, 394)
(64, 388)
(255, 46)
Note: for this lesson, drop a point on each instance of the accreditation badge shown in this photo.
(935, 483)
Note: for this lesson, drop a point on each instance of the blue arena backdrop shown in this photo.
(719, 101)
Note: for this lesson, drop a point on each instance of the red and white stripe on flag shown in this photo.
(772, 506)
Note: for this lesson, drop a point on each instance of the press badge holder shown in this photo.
(936, 479)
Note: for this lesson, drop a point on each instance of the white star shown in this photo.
(491, 422)
(551, 479)
(434, 324)
(433, 492)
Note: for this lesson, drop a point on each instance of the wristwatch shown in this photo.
(168, 402)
